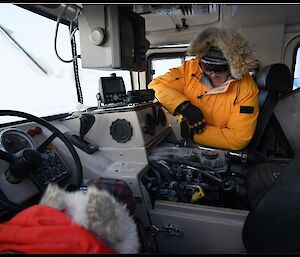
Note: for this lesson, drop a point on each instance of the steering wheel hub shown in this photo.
(26, 161)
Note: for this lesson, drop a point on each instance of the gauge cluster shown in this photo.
(13, 140)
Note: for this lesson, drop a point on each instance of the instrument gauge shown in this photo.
(14, 140)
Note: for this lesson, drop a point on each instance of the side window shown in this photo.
(32, 78)
(296, 81)
(159, 64)
(186, 58)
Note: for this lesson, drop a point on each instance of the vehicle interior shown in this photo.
(76, 110)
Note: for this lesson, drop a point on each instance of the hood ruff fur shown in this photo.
(234, 46)
(99, 212)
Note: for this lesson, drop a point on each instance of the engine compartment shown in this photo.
(196, 175)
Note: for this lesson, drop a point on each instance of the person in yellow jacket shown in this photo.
(213, 93)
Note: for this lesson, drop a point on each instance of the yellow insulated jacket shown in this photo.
(230, 111)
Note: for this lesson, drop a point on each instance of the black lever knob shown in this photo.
(87, 120)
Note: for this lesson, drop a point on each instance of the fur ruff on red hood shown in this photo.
(42, 229)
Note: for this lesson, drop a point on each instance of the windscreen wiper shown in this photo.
(22, 49)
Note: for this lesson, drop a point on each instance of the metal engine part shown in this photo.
(193, 175)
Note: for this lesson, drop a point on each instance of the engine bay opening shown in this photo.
(196, 175)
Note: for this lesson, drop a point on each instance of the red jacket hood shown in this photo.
(42, 229)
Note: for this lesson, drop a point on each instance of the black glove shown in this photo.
(193, 120)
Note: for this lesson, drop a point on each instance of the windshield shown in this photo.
(33, 79)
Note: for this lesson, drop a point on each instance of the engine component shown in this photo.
(215, 160)
(197, 195)
(235, 185)
(194, 175)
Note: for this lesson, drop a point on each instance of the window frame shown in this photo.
(295, 51)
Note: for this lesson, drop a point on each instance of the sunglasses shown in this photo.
(218, 70)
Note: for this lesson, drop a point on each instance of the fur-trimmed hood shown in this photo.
(234, 46)
(99, 212)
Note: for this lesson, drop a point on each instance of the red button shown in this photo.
(38, 130)
(31, 132)
(35, 131)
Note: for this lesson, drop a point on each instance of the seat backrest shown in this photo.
(273, 224)
(272, 81)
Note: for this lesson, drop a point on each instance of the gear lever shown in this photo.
(87, 120)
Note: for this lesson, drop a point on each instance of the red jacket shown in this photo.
(42, 229)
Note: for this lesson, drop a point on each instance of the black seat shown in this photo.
(272, 80)
(273, 225)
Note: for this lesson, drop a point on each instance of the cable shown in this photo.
(74, 54)
(72, 34)
(55, 37)
(76, 73)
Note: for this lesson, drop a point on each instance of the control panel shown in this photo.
(53, 169)
(133, 125)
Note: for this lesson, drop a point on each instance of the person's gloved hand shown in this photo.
(192, 121)
(188, 131)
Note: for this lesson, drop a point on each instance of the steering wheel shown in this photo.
(26, 161)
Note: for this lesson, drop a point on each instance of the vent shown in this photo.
(189, 9)
(186, 9)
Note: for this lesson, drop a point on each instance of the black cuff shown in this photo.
(180, 108)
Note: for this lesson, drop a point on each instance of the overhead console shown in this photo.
(112, 37)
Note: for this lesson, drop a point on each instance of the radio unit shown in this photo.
(111, 89)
